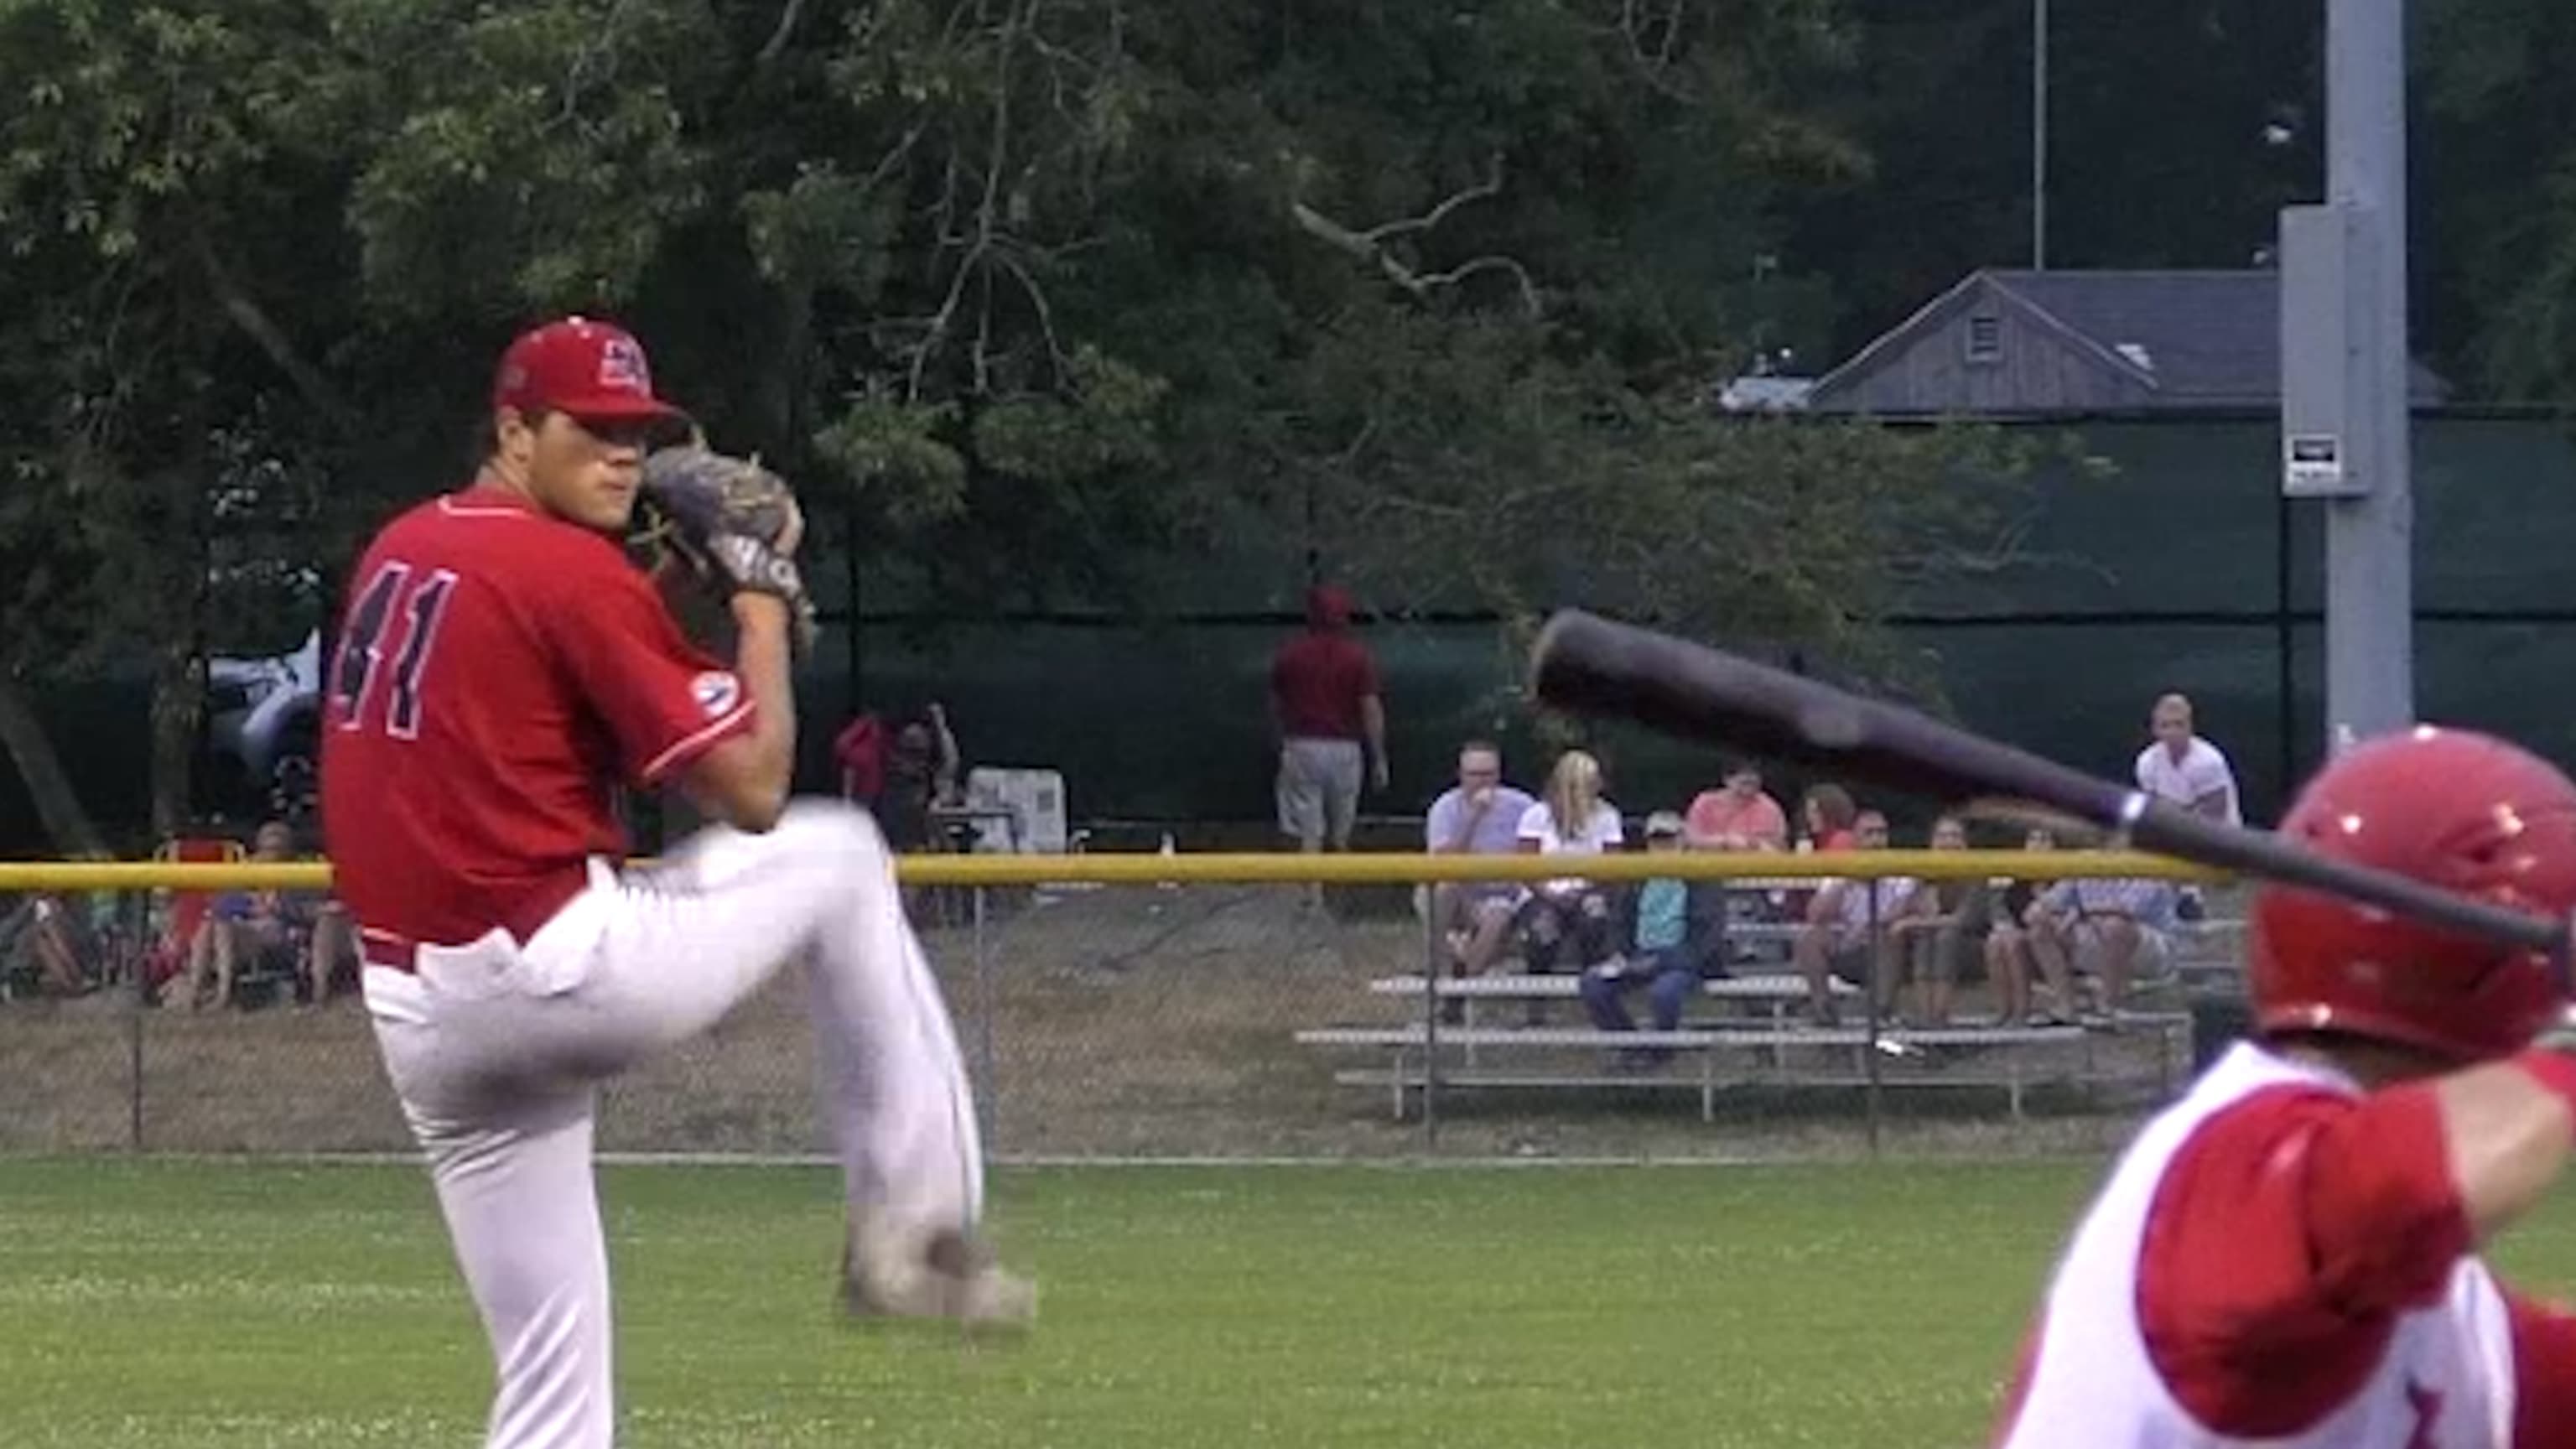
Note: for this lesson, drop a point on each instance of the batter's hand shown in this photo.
(734, 522)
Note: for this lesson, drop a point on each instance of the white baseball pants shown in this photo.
(495, 1050)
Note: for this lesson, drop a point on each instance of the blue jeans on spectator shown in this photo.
(1670, 977)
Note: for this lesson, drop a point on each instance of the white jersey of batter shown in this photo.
(2446, 1380)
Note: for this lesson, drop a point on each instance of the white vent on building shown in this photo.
(1985, 338)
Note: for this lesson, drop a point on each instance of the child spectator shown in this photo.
(1672, 932)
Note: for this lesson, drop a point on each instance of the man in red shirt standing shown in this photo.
(501, 670)
(2290, 1254)
(1330, 721)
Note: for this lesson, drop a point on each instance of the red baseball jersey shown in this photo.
(1318, 681)
(2282, 1259)
(498, 672)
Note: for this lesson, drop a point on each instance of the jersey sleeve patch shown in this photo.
(719, 696)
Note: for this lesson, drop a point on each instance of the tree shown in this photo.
(1532, 248)
(133, 164)
(1026, 294)
(2495, 209)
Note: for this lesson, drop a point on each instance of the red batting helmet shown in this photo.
(2463, 811)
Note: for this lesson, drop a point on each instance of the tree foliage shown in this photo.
(1030, 294)
(2496, 215)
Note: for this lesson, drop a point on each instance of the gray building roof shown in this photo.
(2160, 340)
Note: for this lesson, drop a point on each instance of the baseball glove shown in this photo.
(733, 522)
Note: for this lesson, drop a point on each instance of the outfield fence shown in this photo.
(1204, 1006)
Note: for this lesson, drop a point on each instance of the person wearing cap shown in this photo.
(1330, 721)
(1670, 937)
(501, 670)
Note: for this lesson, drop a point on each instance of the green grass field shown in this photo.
(221, 1304)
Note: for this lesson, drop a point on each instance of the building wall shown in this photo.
(2037, 370)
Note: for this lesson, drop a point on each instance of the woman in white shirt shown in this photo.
(1569, 818)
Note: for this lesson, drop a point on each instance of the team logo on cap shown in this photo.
(716, 692)
(621, 366)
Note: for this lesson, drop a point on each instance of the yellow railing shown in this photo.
(1246, 868)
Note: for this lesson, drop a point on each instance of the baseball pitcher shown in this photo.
(502, 667)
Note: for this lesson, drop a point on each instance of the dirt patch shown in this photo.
(1105, 1022)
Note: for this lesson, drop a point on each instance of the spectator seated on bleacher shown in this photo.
(1671, 932)
(2104, 933)
(2008, 963)
(1826, 815)
(43, 941)
(1941, 922)
(1568, 923)
(1480, 815)
(300, 938)
(1739, 815)
(1847, 926)
(1830, 819)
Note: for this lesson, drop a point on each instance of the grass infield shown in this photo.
(227, 1304)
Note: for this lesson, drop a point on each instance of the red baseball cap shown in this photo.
(577, 366)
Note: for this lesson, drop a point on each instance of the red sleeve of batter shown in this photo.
(2288, 1231)
(2544, 1373)
(665, 700)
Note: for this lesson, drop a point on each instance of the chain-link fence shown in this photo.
(1232, 1017)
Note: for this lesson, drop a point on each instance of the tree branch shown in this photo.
(972, 262)
(264, 333)
(1655, 70)
(1491, 186)
(1497, 263)
(1038, 300)
(600, 49)
(777, 43)
(1370, 245)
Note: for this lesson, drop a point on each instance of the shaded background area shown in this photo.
(2169, 562)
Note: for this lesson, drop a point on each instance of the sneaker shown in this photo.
(892, 1270)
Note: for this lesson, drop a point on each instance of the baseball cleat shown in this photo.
(892, 1270)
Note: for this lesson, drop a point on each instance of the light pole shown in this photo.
(2039, 135)
(2345, 364)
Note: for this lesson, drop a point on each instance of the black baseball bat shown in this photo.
(1588, 664)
